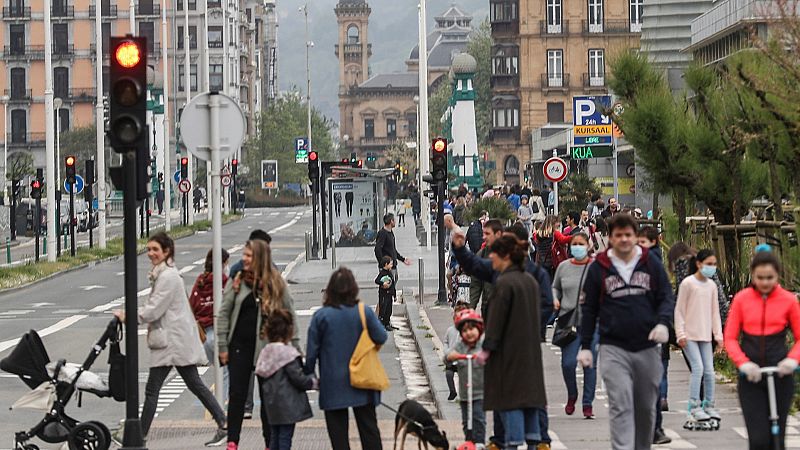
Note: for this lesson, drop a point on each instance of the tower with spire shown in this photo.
(353, 49)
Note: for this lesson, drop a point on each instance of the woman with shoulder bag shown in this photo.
(202, 301)
(567, 288)
(172, 335)
(248, 301)
(332, 339)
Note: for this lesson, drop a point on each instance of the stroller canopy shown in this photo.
(28, 360)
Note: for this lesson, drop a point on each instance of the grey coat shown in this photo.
(229, 315)
(167, 307)
(284, 386)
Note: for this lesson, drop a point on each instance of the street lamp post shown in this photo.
(314, 183)
(5, 100)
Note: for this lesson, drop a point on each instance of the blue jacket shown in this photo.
(514, 201)
(332, 338)
(481, 268)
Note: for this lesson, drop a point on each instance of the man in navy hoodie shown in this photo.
(628, 295)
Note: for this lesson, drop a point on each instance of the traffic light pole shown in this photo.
(58, 223)
(314, 203)
(37, 226)
(440, 196)
(71, 219)
(235, 196)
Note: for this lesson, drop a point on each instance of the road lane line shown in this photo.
(56, 327)
(291, 265)
(284, 226)
(187, 269)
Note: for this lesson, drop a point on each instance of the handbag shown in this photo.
(116, 372)
(566, 331)
(156, 336)
(366, 370)
(202, 332)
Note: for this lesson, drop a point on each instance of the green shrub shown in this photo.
(497, 208)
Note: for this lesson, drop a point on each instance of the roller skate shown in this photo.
(713, 414)
(697, 419)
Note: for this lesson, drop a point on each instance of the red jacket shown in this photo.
(761, 322)
(202, 298)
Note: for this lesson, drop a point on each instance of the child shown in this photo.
(470, 324)
(451, 338)
(525, 214)
(386, 292)
(649, 238)
(697, 320)
(284, 384)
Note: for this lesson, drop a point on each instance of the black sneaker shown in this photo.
(248, 415)
(389, 328)
(452, 396)
(219, 438)
(660, 438)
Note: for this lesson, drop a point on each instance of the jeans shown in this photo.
(478, 433)
(701, 360)
(521, 425)
(366, 417)
(500, 431)
(282, 437)
(569, 363)
(664, 386)
(208, 346)
(156, 379)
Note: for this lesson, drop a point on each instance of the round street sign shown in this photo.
(77, 188)
(196, 126)
(177, 176)
(226, 180)
(555, 169)
(185, 186)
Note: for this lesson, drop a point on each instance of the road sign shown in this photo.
(196, 116)
(77, 188)
(585, 110)
(555, 169)
(592, 151)
(592, 140)
(185, 186)
(301, 150)
(177, 176)
(226, 180)
(269, 174)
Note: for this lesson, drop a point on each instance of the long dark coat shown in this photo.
(514, 376)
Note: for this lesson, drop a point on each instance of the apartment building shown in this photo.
(545, 53)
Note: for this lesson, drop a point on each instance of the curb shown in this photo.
(431, 361)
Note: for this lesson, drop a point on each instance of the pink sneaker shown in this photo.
(232, 446)
(569, 408)
(587, 412)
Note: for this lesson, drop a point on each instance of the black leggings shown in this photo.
(240, 369)
(755, 408)
(366, 421)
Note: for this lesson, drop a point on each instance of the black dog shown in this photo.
(412, 418)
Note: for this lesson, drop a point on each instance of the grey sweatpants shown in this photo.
(632, 380)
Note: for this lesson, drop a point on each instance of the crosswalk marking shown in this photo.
(677, 440)
(171, 391)
(556, 444)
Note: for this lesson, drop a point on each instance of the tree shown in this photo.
(574, 194)
(20, 165)
(80, 142)
(278, 126)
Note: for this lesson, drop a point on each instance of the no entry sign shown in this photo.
(555, 170)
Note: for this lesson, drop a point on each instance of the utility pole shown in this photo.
(100, 132)
(188, 89)
(165, 119)
(50, 182)
(314, 183)
(424, 139)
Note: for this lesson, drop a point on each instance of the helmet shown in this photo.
(468, 315)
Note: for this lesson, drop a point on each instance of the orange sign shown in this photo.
(592, 130)
(617, 133)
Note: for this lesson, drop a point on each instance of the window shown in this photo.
(412, 126)
(595, 16)
(636, 11)
(145, 7)
(215, 37)
(504, 12)
(17, 32)
(61, 82)
(555, 68)
(505, 117)
(352, 35)
(19, 126)
(192, 37)
(369, 128)
(215, 77)
(192, 5)
(60, 38)
(391, 128)
(555, 112)
(596, 67)
(147, 30)
(505, 62)
(18, 83)
(554, 16)
(192, 77)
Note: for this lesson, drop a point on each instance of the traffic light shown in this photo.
(234, 166)
(36, 189)
(16, 187)
(88, 195)
(313, 166)
(353, 159)
(439, 159)
(184, 168)
(69, 164)
(360, 163)
(128, 93)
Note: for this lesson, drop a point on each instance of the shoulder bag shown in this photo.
(366, 370)
(566, 329)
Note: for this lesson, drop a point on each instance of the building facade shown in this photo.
(544, 54)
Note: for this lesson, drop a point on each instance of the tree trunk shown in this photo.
(679, 204)
(656, 215)
(775, 186)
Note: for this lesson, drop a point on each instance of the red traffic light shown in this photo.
(70, 161)
(360, 163)
(184, 161)
(128, 54)
(439, 145)
(36, 184)
(235, 162)
(312, 156)
(345, 160)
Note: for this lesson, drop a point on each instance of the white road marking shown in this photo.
(58, 326)
(41, 305)
(187, 269)
(274, 214)
(677, 440)
(289, 267)
(17, 312)
(92, 287)
(307, 312)
(200, 261)
(284, 226)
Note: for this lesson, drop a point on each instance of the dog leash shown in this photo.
(408, 419)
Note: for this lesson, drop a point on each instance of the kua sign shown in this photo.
(598, 151)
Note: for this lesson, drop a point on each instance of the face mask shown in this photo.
(708, 271)
(579, 251)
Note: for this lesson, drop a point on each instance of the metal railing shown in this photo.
(81, 94)
(612, 26)
(378, 140)
(594, 80)
(553, 81)
(16, 12)
(17, 95)
(550, 29)
(105, 10)
(150, 9)
(18, 139)
(62, 11)
(505, 80)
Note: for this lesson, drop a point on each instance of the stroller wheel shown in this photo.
(106, 431)
(88, 436)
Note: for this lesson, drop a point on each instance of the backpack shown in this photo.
(534, 205)
(558, 253)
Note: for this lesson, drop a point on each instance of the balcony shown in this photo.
(215, 44)
(618, 27)
(63, 50)
(549, 29)
(594, 81)
(18, 95)
(505, 81)
(505, 28)
(353, 50)
(214, 4)
(24, 139)
(62, 11)
(16, 12)
(81, 95)
(553, 82)
(148, 10)
(504, 134)
(378, 141)
(105, 11)
(23, 52)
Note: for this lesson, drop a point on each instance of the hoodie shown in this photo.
(626, 312)
(284, 384)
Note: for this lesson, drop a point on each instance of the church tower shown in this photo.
(353, 49)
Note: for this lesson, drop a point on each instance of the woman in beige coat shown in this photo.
(172, 335)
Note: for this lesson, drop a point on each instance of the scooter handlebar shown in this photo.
(465, 357)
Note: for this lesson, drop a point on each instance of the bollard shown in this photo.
(333, 253)
(308, 246)
(421, 279)
(65, 240)
(8, 250)
(44, 246)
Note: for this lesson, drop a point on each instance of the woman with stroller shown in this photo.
(172, 335)
(249, 299)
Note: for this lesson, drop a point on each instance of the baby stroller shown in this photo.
(54, 383)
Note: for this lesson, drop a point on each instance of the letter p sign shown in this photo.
(584, 112)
